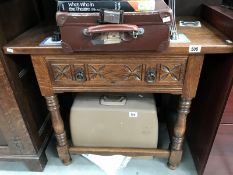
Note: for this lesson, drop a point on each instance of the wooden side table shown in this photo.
(173, 71)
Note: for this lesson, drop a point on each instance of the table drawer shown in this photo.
(116, 71)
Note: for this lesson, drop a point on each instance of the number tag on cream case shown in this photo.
(194, 48)
(133, 114)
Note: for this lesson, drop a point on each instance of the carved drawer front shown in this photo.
(103, 74)
(67, 73)
(167, 73)
(129, 71)
(115, 73)
(62, 72)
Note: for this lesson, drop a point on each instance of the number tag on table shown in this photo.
(9, 50)
(194, 48)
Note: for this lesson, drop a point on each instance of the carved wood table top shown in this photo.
(174, 71)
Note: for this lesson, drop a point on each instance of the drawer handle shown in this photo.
(80, 75)
(150, 75)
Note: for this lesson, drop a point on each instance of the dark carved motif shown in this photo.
(135, 73)
(62, 72)
(96, 72)
(173, 72)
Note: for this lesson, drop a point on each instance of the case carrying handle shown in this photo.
(113, 100)
(132, 29)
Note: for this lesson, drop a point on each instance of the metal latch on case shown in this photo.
(111, 16)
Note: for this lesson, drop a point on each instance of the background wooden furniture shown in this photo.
(175, 71)
(25, 126)
(192, 7)
(211, 129)
(221, 153)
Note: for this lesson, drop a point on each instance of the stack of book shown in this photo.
(96, 5)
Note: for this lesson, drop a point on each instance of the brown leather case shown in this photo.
(139, 31)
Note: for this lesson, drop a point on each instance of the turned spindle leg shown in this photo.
(178, 135)
(58, 126)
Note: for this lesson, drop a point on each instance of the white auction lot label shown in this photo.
(194, 48)
(133, 114)
(9, 50)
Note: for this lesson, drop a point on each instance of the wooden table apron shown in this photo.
(50, 85)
